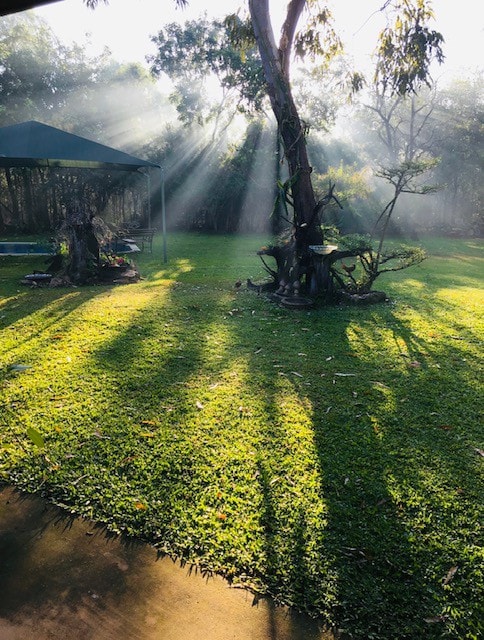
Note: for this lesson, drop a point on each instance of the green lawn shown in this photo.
(331, 458)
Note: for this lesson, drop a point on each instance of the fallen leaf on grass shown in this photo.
(147, 434)
(479, 451)
(295, 373)
(445, 427)
(199, 405)
(450, 574)
(435, 619)
(150, 422)
(128, 459)
(362, 555)
(221, 516)
(379, 384)
(99, 435)
(75, 482)
(140, 506)
(415, 364)
(36, 438)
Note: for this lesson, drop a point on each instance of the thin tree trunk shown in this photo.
(13, 195)
(28, 200)
(82, 243)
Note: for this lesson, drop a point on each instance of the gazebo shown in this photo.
(33, 144)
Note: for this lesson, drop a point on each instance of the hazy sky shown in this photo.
(126, 25)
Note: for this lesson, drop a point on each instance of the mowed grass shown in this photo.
(331, 458)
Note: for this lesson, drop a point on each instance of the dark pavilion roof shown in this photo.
(32, 144)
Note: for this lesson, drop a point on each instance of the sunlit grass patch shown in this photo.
(329, 457)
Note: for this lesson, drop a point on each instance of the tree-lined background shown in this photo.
(198, 107)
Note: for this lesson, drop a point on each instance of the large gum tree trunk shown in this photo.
(275, 62)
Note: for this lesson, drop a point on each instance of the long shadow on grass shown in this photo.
(301, 481)
(426, 430)
(155, 468)
(195, 480)
(329, 516)
(33, 319)
(352, 464)
(156, 432)
(366, 563)
(334, 538)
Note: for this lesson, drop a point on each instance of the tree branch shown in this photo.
(294, 10)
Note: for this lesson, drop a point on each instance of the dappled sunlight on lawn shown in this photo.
(417, 286)
(465, 297)
(28, 323)
(56, 344)
(171, 272)
(7, 301)
(328, 457)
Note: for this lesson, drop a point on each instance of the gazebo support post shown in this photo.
(163, 215)
(148, 176)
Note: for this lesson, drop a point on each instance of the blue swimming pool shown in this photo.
(24, 249)
(34, 248)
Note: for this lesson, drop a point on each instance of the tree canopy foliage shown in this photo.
(190, 54)
(235, 180)
(407, 47)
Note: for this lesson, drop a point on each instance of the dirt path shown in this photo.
(62, 578)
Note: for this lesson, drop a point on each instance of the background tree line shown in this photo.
(207, 123)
